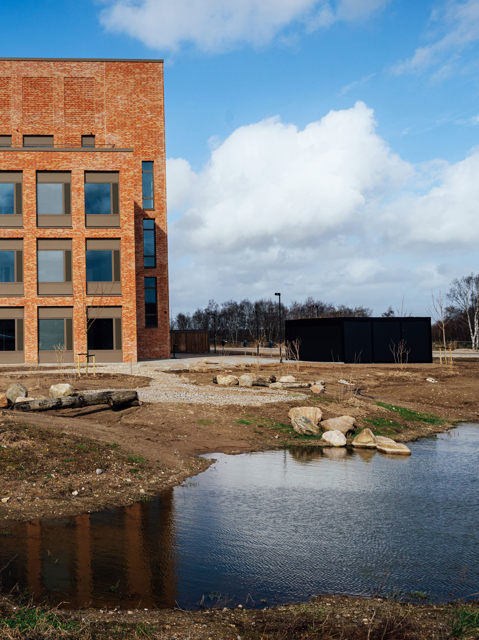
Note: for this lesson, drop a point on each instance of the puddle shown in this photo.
(274, 526)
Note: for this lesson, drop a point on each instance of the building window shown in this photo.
(147, 181)
(11, 267)
(149, 248)
(104, 336)
(103, 267)
(53, 198)
(51, 334)
(88, 141)
(38, 141)
(7, 266)
(100, 334)
(102, 198)
(151, 307)
(7, 335)
(5, 141)
(11, 198)
(54, 267)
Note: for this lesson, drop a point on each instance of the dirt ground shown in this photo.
(46, 457)
(324, 618)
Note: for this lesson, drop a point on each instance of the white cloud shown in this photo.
(454, 27)
(356, 83)
(217, 25)
(328, 211)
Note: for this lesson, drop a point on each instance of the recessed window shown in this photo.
(54, 267)
(11, 267)
(147, 181)
(149, 252)
(104, 335)
(51, 334)
(151, 308)
(102, 204)
(7, 266)
(53, 199)
(103, 268)
(7, 335)
(38, 141)
(88, 141)
(5, 141)
(100, 334)
(7, 199)
(11, 199)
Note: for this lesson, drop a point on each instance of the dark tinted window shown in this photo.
(99, 266)
(7, 266)
(151, 313)
(97, 199)
(147, 177)
(100, 334)
(51, 334)
(7, 199)
(7, 335)
(149, 258)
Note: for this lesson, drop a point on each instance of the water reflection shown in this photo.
(276, 525)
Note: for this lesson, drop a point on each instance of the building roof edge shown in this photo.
(82, 59)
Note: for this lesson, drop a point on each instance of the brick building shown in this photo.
(83, 238)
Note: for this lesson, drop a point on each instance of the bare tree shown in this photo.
(464, 294)
(440, 313)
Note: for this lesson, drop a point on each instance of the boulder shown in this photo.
(15, 391)
(320, 383)
(335, 438)
(246, 381)
(226, 381)
(392, 448)
(384, 440)
(318, 388)
(344, 424)
(263, 381)
(3, 401)
(287, 379)
(305, 426)
(365, 440)
(61, 391)
(313, 413)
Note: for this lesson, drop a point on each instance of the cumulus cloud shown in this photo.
(216, 25)
(328, 210)
(454, 27)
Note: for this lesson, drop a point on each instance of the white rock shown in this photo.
(336, 438)
(246, 380)
(313, 413)
(74, 493)
(365, 440)
(226, 381)
(344, 424)
(318, 388)
(61, 391)
(5, 500)
(287, 379)
(142, 491)
(15, 391)
(393, 448)
(99, 472)
(305, 426)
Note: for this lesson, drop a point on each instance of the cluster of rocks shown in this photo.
(19, 393)
(284, 382)
(308, 421)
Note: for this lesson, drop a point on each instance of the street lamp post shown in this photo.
(280, 329)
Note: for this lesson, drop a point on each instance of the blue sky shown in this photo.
(383, 212)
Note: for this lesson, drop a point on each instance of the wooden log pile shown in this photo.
(115, 399)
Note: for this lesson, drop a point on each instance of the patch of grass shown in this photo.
(28, 618)
(5, 533)
(112, 444)
(242, 422)
(205, 423)
(143, 631)
(464, 621)
(114, 587)
(285, 429)
(412, 416)
(68, 459)
(136, 459)
(382, 426)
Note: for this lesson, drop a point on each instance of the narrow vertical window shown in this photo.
(151, 308)
(149, 247)
(147, 181)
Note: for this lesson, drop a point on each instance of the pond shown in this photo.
(274, 526)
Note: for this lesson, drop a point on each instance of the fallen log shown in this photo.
(122, 399)
(77, 401)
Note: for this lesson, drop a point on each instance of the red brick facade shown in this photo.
(121, 104)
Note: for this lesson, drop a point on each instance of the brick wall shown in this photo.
(121, 103)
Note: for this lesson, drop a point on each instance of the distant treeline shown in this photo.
(245, 320)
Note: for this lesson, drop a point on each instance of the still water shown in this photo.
(275, 526)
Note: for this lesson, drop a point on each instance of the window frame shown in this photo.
(55, 220)
(105, 287)
(57, 313)
(62, 287)
(84, 138)
(35, 141)
(17, 356)
(14, 178)
(152, 173)
(115, 314)
(15, 288)
(111, 219)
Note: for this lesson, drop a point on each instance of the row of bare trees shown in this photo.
(257, 321)
(456, 314)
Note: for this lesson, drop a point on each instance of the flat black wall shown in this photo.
(361, 339)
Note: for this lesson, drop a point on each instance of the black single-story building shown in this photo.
(361, 340)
